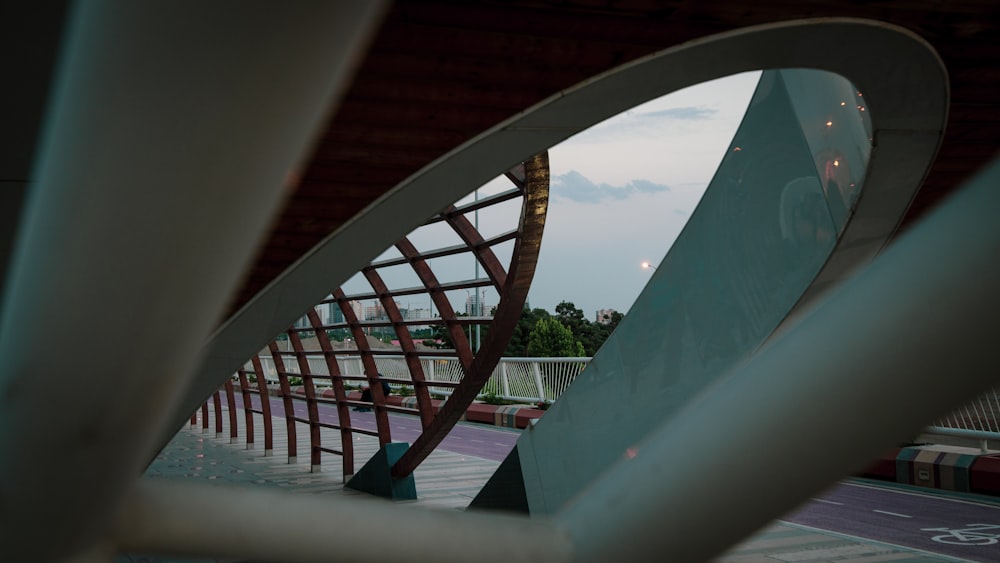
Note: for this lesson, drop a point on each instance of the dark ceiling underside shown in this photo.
(438, 73)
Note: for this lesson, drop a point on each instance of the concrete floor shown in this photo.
(449, 481)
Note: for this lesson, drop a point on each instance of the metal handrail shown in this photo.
(533, 380)
(528, 380)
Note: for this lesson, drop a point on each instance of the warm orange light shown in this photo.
(836, 163)
(829, 124)
(842, 104)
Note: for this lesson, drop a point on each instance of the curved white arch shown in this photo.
(902, 78)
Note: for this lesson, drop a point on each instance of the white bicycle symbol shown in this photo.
(972, 534)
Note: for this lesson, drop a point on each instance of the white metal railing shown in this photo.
(531, 380)
(528, 380)
(978, 419)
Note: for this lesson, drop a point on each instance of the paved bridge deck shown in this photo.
(449, 480)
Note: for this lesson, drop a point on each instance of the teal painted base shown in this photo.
(375, 477)
(505, 489)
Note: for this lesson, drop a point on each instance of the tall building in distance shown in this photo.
(324, 317)
(375, 311)
(475, 305)
(337, 315)
(418, 313)
(604, 316)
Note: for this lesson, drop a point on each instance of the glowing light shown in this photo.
(842, 104)
(648, 266)
(836, 163)
(829, 124)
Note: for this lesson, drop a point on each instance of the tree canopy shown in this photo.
(590, 334)
(518, 345)
(550, 339)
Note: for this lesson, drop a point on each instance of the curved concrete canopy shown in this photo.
(907, 127)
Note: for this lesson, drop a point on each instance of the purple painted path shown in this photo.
(963, 528)
(467, 439)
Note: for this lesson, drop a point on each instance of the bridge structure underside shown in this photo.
(181, 217)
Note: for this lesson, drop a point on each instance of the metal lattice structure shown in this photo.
(316, 361)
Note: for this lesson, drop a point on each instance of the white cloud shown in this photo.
(671, 140)
(577, 187)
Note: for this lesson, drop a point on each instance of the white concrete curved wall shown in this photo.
(906, 87)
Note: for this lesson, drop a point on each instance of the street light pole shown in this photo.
(468, 312)
(648, 266)
(475, 257)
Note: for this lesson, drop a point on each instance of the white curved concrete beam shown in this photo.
(906, 115)
(906, 339)
(172, 127)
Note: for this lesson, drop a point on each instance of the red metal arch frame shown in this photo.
(531, 185)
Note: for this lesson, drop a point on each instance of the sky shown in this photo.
(620, 194)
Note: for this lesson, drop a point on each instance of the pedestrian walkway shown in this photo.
(449, 480)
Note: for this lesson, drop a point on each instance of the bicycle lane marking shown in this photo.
(850, 537)
(906, 518)
(972, 534)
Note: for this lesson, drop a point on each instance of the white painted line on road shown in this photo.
(498, 444)
(476, 441)
(939, 496)
(891, 513)
(823, 500)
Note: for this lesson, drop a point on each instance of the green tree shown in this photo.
(550, 339)
(422, 333)
(569, 315)
(518, 345)
(591, 335)
(338, 334)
